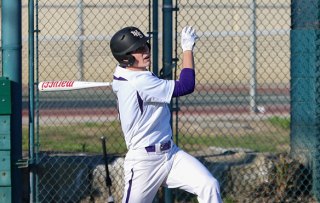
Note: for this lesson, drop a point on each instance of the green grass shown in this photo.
(273, 141)
(255, 142)
(283, 123)
(85, 137)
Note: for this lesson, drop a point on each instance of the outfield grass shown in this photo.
(85, 137)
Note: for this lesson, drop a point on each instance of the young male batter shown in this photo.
(153, 160)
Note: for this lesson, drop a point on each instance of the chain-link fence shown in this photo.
(236, 122)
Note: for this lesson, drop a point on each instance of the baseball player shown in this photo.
(153, 160)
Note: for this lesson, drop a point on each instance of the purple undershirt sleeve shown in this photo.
(185, 85)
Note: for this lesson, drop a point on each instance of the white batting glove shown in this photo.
(188, 38)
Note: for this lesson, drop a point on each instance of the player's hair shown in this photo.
(126, 41)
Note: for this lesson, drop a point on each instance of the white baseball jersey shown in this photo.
(143, 102)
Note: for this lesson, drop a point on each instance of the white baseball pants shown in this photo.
(146, 171)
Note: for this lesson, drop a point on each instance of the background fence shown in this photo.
(236, 122)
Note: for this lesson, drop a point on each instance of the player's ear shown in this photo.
(130, 60)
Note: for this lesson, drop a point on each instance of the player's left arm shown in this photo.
(186, 84)
(159, 90)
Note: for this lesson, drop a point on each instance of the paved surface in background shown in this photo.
(79, 115)
(99, 105)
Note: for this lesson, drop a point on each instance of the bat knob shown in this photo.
(110, 199)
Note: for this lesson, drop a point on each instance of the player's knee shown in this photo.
(210, 191)
(211, 186)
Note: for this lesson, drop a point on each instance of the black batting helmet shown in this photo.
(126, 41)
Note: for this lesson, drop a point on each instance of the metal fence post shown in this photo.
(253, 59)
(31, 99)
(304, 91)
(167, 59)
(155, 55)
(80, 34)
(11, 37)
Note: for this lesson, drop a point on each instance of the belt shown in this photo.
(159, 147)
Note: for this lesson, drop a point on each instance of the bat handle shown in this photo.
(108, 179)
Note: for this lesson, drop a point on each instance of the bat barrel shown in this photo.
(48, 86)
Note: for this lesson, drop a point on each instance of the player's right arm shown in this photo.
(186, 84)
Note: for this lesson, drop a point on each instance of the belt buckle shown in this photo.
(157, 148)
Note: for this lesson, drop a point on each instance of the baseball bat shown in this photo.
(62, 85)
(108, 179)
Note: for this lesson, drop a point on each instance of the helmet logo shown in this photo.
(136, 33)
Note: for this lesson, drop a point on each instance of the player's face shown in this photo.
(142, 56)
